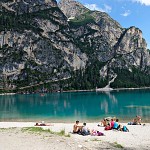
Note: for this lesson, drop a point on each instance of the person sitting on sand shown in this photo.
(112, 123)
(136, 121)
(85, 130)
(138, 118)
(77, 128)
(117, 126)
(104, 122)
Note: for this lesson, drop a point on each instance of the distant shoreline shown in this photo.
(92, 90)
(116, 89)
(120, 89)
(7, 93)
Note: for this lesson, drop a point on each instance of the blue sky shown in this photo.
(126, 12)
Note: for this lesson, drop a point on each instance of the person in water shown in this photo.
(77, 128)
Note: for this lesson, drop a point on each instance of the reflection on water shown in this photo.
(133, 106)
(85, 105)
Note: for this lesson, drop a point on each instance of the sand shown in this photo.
(15, 139)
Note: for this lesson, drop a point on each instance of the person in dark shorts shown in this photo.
(76, 127)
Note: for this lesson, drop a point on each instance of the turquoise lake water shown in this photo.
(68, 107)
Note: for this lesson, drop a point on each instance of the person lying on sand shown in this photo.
(43, 124)
(77, 128)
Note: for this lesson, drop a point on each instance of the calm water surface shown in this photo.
(67, 107)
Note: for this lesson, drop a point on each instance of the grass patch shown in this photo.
(67, 135)
(83, 19)
(95, 140)
(5, 129)
(34, 129)
(115, 144)
(41, 130)
(61, 133)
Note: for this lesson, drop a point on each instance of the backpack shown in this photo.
(125, 129)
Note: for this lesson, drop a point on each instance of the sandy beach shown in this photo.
(12, 137)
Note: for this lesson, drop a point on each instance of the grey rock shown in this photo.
(50, 44)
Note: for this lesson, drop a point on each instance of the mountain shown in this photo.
(68, 46)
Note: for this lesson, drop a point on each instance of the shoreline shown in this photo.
(92, 90)
(2, 94)
(69, 120)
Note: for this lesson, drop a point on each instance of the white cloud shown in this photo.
(126, 13)
(92, 7)
(143, 2)
(106, 8)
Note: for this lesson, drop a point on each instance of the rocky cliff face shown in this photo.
(107, 41)
(40, 42)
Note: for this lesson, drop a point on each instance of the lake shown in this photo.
(83, 106)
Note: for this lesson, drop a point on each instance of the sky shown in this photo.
(126, 12)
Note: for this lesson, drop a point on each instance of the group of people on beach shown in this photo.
(81, 129)
(108, 123)
(113, 123)
(84, 130)
(136, 121)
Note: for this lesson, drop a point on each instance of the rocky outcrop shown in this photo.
(27, 6)
(40, 42)
(72, 8)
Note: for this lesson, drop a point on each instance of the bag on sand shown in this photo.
(100, 133)
(125, 129)
(97, 133)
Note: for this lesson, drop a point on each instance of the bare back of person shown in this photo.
(77, 128)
